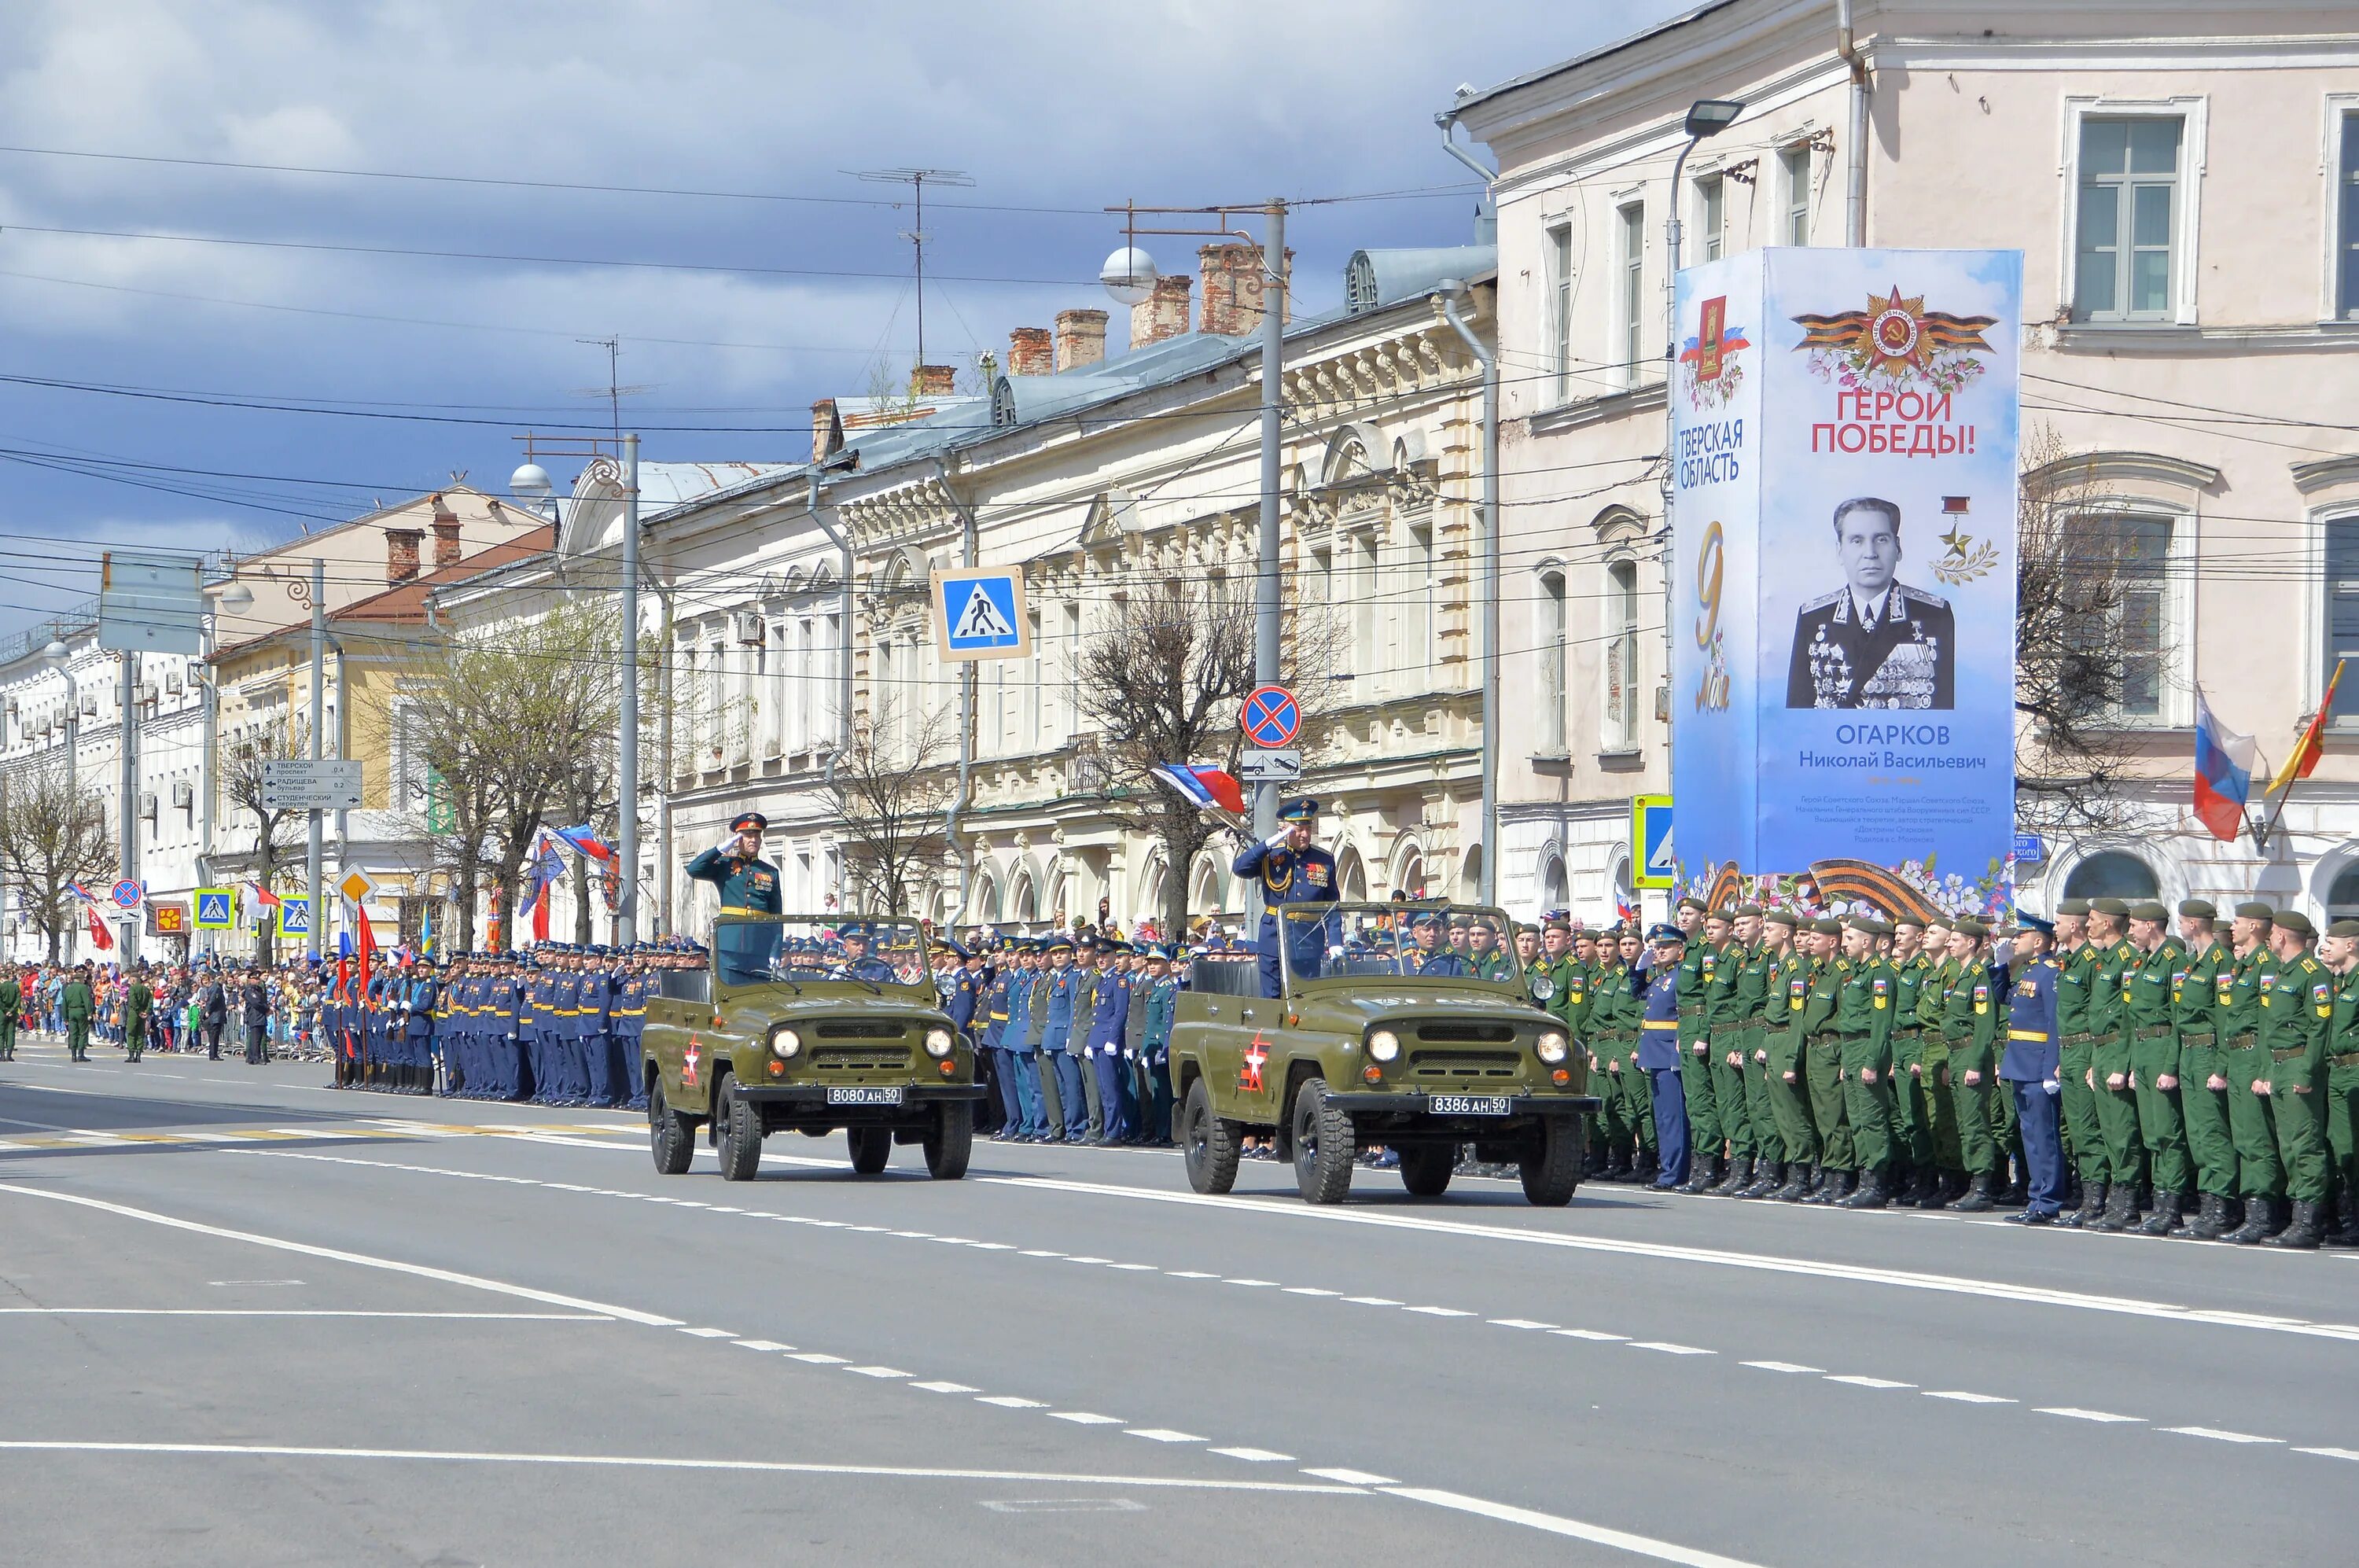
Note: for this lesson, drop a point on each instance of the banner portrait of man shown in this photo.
(1876, 642)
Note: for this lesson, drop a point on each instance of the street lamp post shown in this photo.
(60, 657)
(235, 599)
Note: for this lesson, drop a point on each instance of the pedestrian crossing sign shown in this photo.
(295, 917)
(979, 613)
(216, 909)
(1656, 859)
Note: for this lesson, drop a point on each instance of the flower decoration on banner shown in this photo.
(1895, 342)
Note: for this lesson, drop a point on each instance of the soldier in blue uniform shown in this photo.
(630, 1029)
(1019, 1039)
(1658, 981)
(1290, 869)
(991, 1010)
(1101, 1047)
(1055, 1034)
(2029, 1070)
(857, 963)
(593, 995)
(1876, 642)
(749, 886)
(418, 1028)
(529, 1049)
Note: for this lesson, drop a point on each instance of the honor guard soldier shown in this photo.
(12, 1010)
(2147, 987)
(2030, 1067)
(593, 995)
(2297, 1015)
(78, 1006)
(2203, 1087)
(749, 886)
(1863, 1018)
(1290, 869)
(1659, 1051)
(417, 1028)
(139, 999)
(630, 1031)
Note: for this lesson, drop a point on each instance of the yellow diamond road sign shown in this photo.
(356, 887)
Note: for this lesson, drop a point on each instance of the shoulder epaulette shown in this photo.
(1824, 602)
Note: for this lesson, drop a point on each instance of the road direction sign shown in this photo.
(216, 909)
(1271, 717)
(127, 894)
(295, 917)
(1270, 767)
(979, 613)
(151, 601)
(306, 784)
(1650, 839)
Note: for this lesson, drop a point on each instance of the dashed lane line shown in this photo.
(2216, 1435)
(2072, 1413)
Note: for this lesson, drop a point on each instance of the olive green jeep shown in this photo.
(1405, 1026)
(813, 1025)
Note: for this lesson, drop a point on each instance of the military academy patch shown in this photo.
(1882, 987)
(1982, 998)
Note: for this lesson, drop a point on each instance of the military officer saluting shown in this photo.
(1876, 642)
(749, 886)
(1291, 870)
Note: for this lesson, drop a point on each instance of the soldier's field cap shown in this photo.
(2074, 907)
(750, 822)
(2293, 921)
(2148, 910)
(2117, 907)
(1725, 912)
(1967, 925)
(2199, 908)
(2255, 910)
(1783, 918)
(1914, 921)
(1299, 811)
(2344, 928)
(1873, 927)
(1690, 901)
(1744, 909)
(1827, 925)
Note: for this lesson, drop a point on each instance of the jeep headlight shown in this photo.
(1551, 1048)
(785, 1042)
(938, 1042)
(1383, 1045)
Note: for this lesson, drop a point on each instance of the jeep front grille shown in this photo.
(1467, 1034)
(861, 1029)
(1459, 1066)
(858, 1058)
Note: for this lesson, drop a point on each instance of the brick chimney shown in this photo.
(401, 554)
(827, 431)
(933, 381)
(1081, 337)
(446, 534)
(1165, 315)
(1233, 287)
(1031, 352)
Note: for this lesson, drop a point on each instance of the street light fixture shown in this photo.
(1129, 276)
(1708, 116)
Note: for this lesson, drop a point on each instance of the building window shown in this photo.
(1794, 165)
(2342, 618)
(1559, 283)
(1556, 889)
(1632, 303)
(1620, 732)
(2128, 213)
(2342, 898)
(2347, 249)
(1552, 632)
(1711, 217)
(2113, 875)
(2130, 611)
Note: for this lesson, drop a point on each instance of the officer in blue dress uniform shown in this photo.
(1055, 1032)
(630, 1029)
(749, 886)
(2030, 1068)
(593, 995)
(1659, 1049)
(1290, 869)
(991, 1035)
(534, 1070)
(417, 1028)
(1101, 1045)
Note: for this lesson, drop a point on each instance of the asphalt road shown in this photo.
(246, 1318)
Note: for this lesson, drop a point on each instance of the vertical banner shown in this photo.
(1877, 474)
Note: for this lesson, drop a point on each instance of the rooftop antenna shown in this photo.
(614, 391)
(916, 180)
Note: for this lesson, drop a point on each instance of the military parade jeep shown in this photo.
(813, 1025)
(1387, 1034)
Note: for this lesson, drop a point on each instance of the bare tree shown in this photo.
(2090, 587)
(51, 835)
(891, 798)
(244, 764)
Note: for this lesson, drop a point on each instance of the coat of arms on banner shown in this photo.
(1896, 342)
(1709, 373)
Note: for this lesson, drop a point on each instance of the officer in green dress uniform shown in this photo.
(138, 1000)
(2076, 978)
(1863, 1018)
(1970, 1027)
(2340, 952)
(2155, 1078)
(78, 1006)
(1912, 1126)
(2202, 1085)
(2109, 1063)
(2260, 1177)
(2295, 1013)
(1727, 1010)
(1822, 1071)
(749, 886)
(1789, 999)
(12, 1010)
(1697, 966)
(1760, 1000)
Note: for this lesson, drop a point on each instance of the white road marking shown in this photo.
(1554, 1524)
(1188, 1274)
(1372, 1301)
(1964, 1398)
(876, 1371)
(2216, 1435)
(1040, 1252)
(712, 1333)
(1133, 1267)
(2075, 1413)
(1253, 1284)
(1310, 1290)
(770, 1345)
(656, 1461)
(1441, 1312)
(947, 1388)
(1162, 1434)
(1856, 1382)
(2351, 1454)
(1089, 1259)
(1352, 1477)
(392, 1266)
(818, 1358)
(1011, 1402)
(1255, 1455)
(1668, 1348)
(1085, 1418)
(1517, 1322)
(1598, 1334)
(296, 1312)
(1780, 1366)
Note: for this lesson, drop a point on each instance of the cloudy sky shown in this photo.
(434, 363)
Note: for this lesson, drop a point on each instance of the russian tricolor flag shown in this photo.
(2224, 773)
(1207, 788)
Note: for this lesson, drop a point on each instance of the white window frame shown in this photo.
(1554, 640)
(1618, 728)
(1630, 289)
(2339, 107)
(1794, 192)
(1712, 236)
(2316, 632)
(1557, 240)
(2191, 110)
(2177, 709)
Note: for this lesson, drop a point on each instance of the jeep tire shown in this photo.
(1551, 1165)
(1208, 1146)
(871, 1147)
(738, 1138)
(1324, 1145)
(670, 1135)
(1426, 1168)
(950, 1142)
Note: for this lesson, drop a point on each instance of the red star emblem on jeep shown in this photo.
(687, 1060)
(1249, 1075)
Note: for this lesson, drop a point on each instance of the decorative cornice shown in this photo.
(2325, 473)
(2141, 467)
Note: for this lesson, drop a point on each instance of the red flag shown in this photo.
(2306, 752)
(99, 934)
(365, 941)
(540, 914)
(268, 900)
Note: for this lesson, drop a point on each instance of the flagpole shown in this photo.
(2304, 759)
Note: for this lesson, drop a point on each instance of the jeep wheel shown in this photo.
(950, 1143)
(1426, 1168)
(1551, 1167)
(1208, 1146)
(670, 1135)
(739, 1136)
(871, 1147)
(1323, 1146)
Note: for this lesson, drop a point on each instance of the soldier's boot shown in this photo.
(1740, 1176)
(2209, 1223)
(2092, 1204)
(1703, 1178)
(2133, 1215)
(1592, 1164)
(1873, 1191)
(1821, 1178)
(1617, 1166)
(1767, 1177)
(1801, 1179)
(1644, 1169)
(1977, 1199)
(2303, 1232)
(2260, 1220)
(2165, 1218)
(2346, 1228)
(2121, 1209)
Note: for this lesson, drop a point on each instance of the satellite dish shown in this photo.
(1129, 276)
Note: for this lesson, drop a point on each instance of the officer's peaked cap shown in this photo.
(750, 822)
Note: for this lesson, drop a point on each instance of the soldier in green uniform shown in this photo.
(1912, 1126)
(2109, 1063)
(2237, 1002)
(1822, 1071)
(1788, 1097)
(2296, 1014)
(138, 1000)
(2203, 1087)
(1770, 943)
(2076, 979)
(1933, 1056)
(78, 1008)
(749, 886)
(1628, 1119)
(2340, 951)
(1728, 1010)
(1720, 960)
(1863, 1018)
(12, 1010)
(2155, 1078)
(1970, 1027)
(1697, 966)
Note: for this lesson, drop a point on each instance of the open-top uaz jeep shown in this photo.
(812, 1024)
(1388, 1034)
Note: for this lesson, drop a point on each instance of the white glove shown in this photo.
(2051, 1085)
(1277, 840)
(727, 848)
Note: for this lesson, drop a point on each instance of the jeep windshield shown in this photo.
(1426, 942)
(801, 949)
